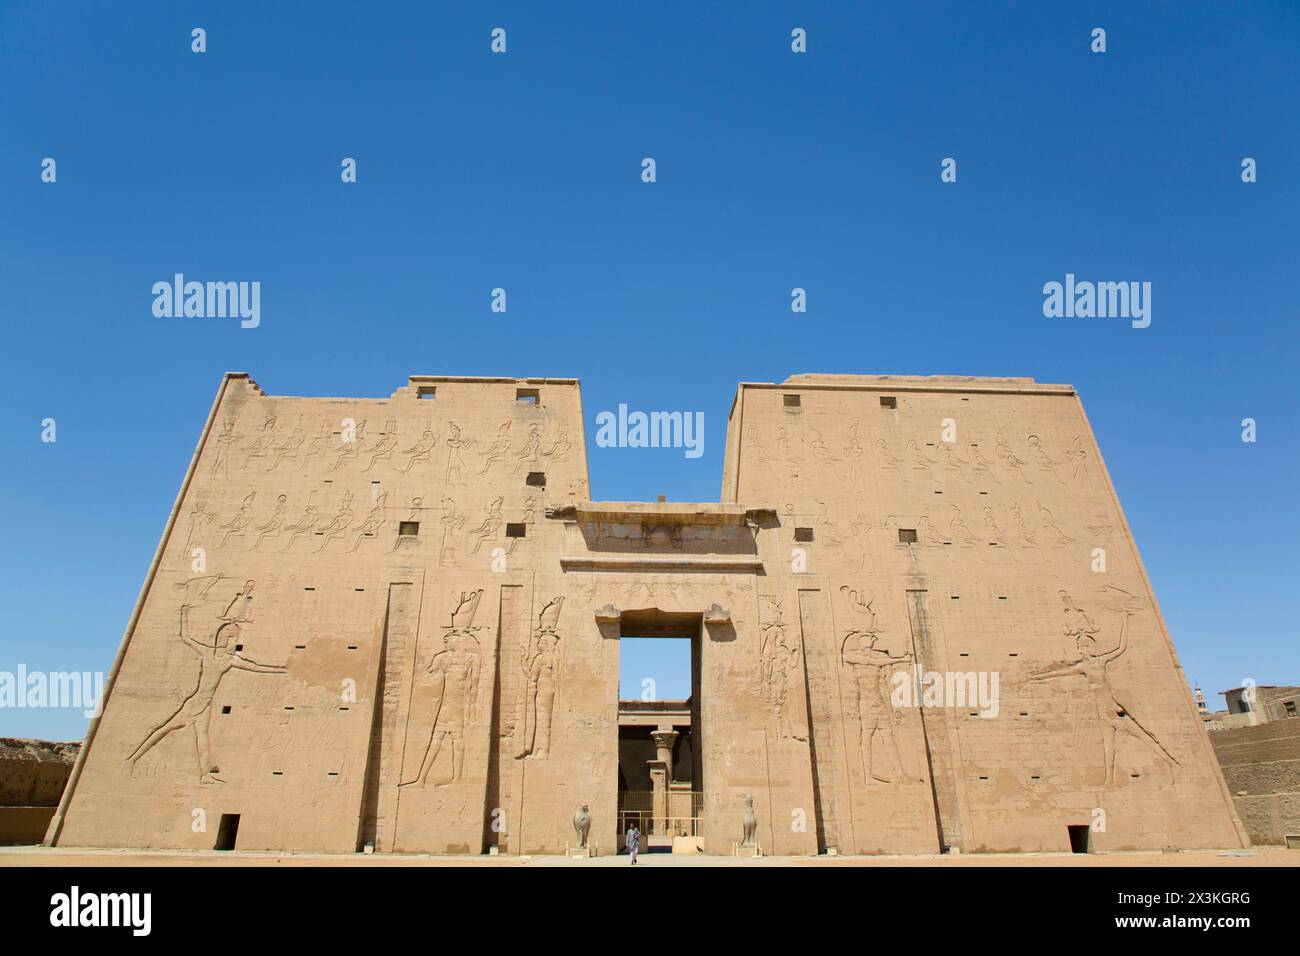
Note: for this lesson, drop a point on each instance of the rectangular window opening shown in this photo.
(529, 396)
(537, 479)
(792, 401)
(408, 529)
(426, 391)
(516, 530)
(803, 534)
(907, 535)
(888, 401)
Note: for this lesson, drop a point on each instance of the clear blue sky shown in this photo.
(775, 170)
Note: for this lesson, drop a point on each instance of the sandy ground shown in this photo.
(44, 856)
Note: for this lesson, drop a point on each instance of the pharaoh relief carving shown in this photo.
(456, 446)
(452, 521)
(452, 681)
(779, 661)
(541, 666)
(218, 655)
(918, 463)
(1113, 717)
(870, 714)
(225, 445)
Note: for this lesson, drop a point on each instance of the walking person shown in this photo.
(633, 839)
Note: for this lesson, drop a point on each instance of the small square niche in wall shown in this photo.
(529, 396)
(803, 534)
(426, 391)
(408, 529)
(888, 401)
(793, 401)
(907, 535)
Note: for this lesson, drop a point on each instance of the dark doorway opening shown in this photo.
(1079, 838)
(227, 831)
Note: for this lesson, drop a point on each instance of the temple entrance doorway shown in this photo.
(660, 766)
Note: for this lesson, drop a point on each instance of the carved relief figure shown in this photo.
(305, 524)
(421, 450)
(338, 524)
(350, 448)
(454, 460)
(1113, 716)
(854, 453)
(273, 525)
(1008, 457)
(541, 672)
(262, 444)
(225, 442)
(779, 660)
(560, 450)
(491, 522)
(452, 520)
(215, 661)
(871, 715)
(384, 447)
(199, 516)
(498, 450)
(980, 466)
(289, 450)
(370, 526)
(316, 446)
(237, 524)
(455, 671)
(528, 454)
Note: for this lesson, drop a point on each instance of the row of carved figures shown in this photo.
(865, 666)
(281, 529)
(348, 444)
(917, 460)
(1037, 530)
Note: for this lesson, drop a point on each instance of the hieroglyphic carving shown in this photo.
(216, 659)
(1114, 717)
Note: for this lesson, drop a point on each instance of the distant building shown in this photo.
(1258, 746)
